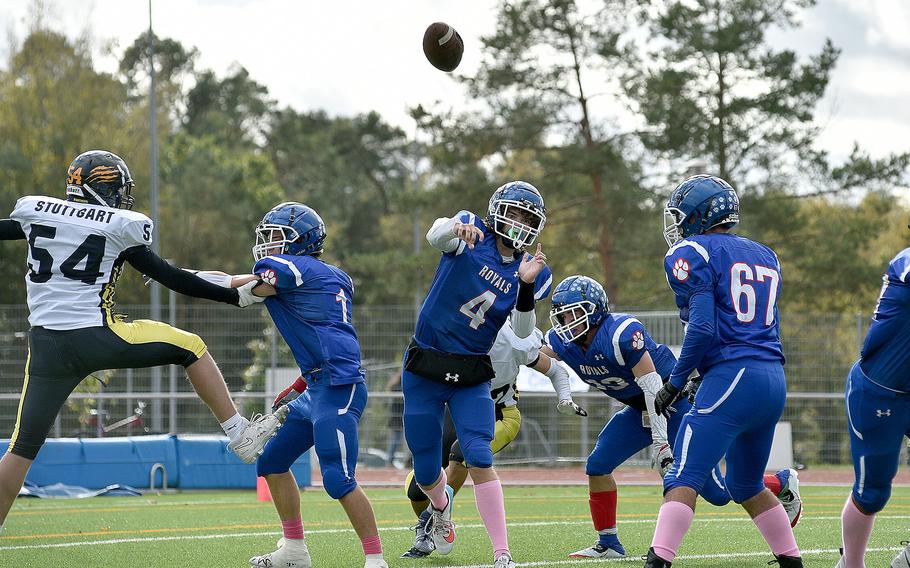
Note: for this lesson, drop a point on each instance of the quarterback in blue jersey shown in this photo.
(310, 302)
(726, 287)
(878, 411)
(484, 277)
(614, 353)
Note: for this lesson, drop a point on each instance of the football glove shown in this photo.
(661, 458)
(691, 388)
(568, 407)
(246, 296)
(663, 401)
(287, 395)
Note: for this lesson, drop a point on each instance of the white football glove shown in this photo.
(247, 298)
(661, 458)
(568, 407)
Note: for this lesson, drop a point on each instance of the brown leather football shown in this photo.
(443, 46)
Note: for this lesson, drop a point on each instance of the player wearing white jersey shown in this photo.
(77, 249)
(508, 354)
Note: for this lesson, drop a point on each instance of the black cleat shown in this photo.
(788, 561)
(655, 561)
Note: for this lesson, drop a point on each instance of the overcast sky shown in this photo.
(355, 56)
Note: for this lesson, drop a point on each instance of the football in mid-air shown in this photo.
(443, 46)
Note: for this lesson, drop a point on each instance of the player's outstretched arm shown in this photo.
(547, 364)
(144, 260)
(446, 233)
(11, 230)
(524, 320)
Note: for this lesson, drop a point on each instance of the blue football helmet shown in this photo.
(289, 228)
(517, 213)
(579, 303)
(699, 203)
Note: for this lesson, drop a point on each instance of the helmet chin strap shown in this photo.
(98, 198)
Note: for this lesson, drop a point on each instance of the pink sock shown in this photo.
(857, 526)
(774, 526)
(673, 522)
(371, 545)
(492, 509)
(293, 529)
(437, 495)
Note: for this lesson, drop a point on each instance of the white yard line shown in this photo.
(471, 526)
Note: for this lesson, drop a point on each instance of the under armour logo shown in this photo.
(599, 357)
(881, 413)
(454, 378)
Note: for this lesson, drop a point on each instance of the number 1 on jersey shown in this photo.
(482, 303)
(341, 297)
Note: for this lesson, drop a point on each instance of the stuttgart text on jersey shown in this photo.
(80, 212)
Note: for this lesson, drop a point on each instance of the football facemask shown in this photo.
(570, 321)
(272, 239)
(519, 223)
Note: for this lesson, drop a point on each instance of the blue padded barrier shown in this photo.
(97, 463)
(192, 462)
(206, 462)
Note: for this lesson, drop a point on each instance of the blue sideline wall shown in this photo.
(191, 462)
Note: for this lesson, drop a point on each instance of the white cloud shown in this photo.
(888, 21)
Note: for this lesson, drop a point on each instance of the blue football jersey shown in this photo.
(744, 278)
(472, 295)
(619, 344)
(312, 311)
(885, 357)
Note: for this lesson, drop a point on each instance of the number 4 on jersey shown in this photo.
(476, 308)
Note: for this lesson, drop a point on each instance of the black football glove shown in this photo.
(665, 398)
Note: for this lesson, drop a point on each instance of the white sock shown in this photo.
(374, 556)
(234, 426)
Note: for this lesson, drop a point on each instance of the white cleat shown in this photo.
(256, 435)
(902, 560)
(375, 563)
(840, 561)
(441, 526)
(599, 551)
(287, 556)
(789, 497)
(504, 561)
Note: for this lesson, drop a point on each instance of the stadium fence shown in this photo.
(820, 348)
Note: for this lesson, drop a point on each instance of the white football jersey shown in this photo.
(508, 353)
(74, 258)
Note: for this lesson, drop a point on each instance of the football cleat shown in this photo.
(287, 556)
(251, 442)
(441, 527)
(902, 560)
(423, 541)
(789, 495)
(840, 561)
(375, 563)
(504, 561)
(601, 551)
(788, 561)
(652, 560)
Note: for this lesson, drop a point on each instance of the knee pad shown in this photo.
(873, 499)
(337, 484)
(412, 490)
(597, 467)
(270, 463)
(739, 494)
(478, 453)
